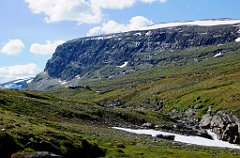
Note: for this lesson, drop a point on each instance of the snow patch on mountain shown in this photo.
(62, 82)
(137, 34)
(17, 84)
(191, 23)
(218, 55)
(148, 33)
(238, 39)
(123, 65)
(29, 81)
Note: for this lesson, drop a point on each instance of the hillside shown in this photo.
(36, 121)
(181, 78)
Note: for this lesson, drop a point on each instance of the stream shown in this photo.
(196, 140)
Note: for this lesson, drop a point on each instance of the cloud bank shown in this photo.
(111, 26)
(18, 71)
(45, 49)
(81, 11)
(13, 47)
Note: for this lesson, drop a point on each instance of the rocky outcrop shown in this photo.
(206, 121)
(7, 145)
(156, 105)
(224, 124)
(104, 55)
(39, 154)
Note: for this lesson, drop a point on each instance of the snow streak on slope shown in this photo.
(123, 65)
(238, 39)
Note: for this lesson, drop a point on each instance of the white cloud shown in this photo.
(70, 10)
(120, 4)
(45, 49)
(113, 4)
(18, 71)
(82, 11)
(163, 1)
(13, 47)
(111, 26)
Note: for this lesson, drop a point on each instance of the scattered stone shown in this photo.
(168, 137)
(148, 125)
(42, 154)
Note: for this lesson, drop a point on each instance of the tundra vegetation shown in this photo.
(76, 121)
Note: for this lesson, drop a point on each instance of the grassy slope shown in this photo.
(207, 81)
(35, 122)
(60, 121)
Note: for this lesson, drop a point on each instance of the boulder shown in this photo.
(148, 125)
(168, 137)
(221, 119)
(42, 154)
(224, 124)
(7, 145)
(205, 121)
(231, 134)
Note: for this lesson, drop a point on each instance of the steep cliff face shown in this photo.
(85, 56)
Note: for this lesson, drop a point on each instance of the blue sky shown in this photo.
(31, 29)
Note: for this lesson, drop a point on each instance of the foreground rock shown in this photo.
(168, 137)
(7, 145)
(148, 125)
(224, 124)
(42, 154)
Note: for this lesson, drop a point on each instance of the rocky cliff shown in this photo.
(86, 56)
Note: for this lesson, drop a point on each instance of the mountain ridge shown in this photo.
(85, 56)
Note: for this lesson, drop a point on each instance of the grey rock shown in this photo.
(224, 124)
(190, 112)
(205, 121)
(231, 134)
(168, 137)
(39, 154)
(221, 119)
(148, 125)
(157, 105)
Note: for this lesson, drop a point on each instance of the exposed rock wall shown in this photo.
(224, 124)
(82, 56)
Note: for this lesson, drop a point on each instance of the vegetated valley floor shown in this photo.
(73, 122)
